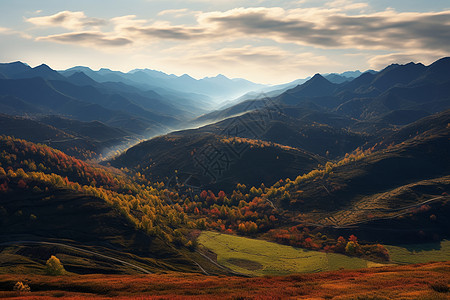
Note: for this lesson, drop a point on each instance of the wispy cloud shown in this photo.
(164, 32)
(9, 31)
(327, 27)
(177, 13)
(87, 39)
(346, 5)
(67, 19)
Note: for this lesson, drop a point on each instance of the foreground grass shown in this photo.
(258, 257)
(427, 281)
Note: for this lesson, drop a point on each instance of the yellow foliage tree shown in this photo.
(54, 266)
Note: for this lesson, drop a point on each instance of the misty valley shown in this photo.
(144, 184)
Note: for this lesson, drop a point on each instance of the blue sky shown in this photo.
(263, 41)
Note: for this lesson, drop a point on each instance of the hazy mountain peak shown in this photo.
(106, 71)
(443, 62)
(317, 78)
(218, 77)
(13, 68)
(15, 63)
(43, 67)
(221, 76)
(81, 78)
(154, 73)
(82, 68)
(186, 76)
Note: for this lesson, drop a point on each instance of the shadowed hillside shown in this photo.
(48, 196)
(207, 160)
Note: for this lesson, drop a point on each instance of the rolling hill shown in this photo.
(383, 193)
(84, 140)
(99, 218)
(206, 160)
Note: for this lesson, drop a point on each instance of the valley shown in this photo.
(144, 175)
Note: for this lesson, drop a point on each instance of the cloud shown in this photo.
(328, 28)
(265, 57)
(67, 19)
(233, 40)
(165, 32)
(87, 39)
(9, 31)
(175, 12)
(346, 5)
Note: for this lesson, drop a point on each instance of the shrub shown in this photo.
(440, 287)
(20, 287)
(351, 248)
(54, 266)
(368, 297)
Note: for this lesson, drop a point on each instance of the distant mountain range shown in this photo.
(324, 118)
(275, 90)
(411, 90)
(142, 102)
(212, 88)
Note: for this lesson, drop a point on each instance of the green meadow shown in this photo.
(420, 253)
(258, 257)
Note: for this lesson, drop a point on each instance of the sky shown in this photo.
(263, 41)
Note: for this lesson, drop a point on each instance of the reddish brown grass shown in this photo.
(405, 282)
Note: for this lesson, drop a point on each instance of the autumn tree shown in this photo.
(54, 267)
(21, 287)
(352, 247)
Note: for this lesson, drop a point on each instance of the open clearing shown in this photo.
(258, 257)
(420, 253)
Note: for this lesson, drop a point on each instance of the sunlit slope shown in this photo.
(258, 257)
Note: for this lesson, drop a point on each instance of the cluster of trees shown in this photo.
(24, 165)
(254, 143)
(279, 188)
(84, 154)
(249, 212)
(305, 237)
(234, 214)
(17, 153)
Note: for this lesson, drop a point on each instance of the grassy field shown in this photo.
(258, 257)
(420, 253)
(418, 282)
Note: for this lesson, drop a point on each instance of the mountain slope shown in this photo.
(314, 131)
(380, 193)
(207, 160)
(47, 196)
(42, 95)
